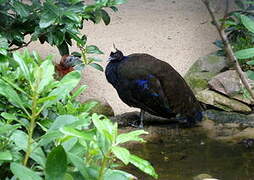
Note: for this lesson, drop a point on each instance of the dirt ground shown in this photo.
(176, 31)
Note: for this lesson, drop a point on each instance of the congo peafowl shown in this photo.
(145, 82)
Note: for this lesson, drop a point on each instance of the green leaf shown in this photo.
(79, 40)
(118, 2)
(245, 53)
(3, 1)
(23, 173)
(21, 9)
(78, 54)
(8, 116)
(48, 18)
(122, 154)
(91, 49)
(66, 85)
(250, 74)
(78, 91)
(63, 48)
(3, 51)
(105, 126)
(118, 175)
(72, 16)
(96, 66)
(12, 96)
(79, 163)
(88, 106)
(49, 137)
(44, 99)
(7, 128)
(14, 85)
(5, 156)
(17, 57)
(56, 164)
(247, 22)
(62, 121)
(20, 139)
(68, 176)
(3, 42)
(105, 17)
(250, 62)
(44, 74)
(131, 136)
(143, 165)
(94, 59)
(85, 135)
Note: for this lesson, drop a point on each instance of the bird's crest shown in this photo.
(117, 55)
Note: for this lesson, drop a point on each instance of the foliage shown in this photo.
(240, 31)
(46, 134)
(57, 22)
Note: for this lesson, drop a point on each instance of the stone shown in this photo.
(102, 107)
(222, 102)
(242, 98)
(202, 177)
(132, 118)
(212, 63)
(227, 82)
(203, 70)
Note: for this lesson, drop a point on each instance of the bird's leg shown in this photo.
(142, 113)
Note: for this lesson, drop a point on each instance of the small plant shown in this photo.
(234, 59)
(46, 134)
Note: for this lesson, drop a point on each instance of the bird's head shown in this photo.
(70, 61)
(116, 56)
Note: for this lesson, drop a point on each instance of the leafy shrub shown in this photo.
(57, 22)
(46, 134)
(239, 26)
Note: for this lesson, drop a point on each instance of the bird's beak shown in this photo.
(109, 59)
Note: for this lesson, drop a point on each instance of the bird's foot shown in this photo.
(136, 124)
(185, 122)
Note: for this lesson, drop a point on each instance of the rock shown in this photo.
(227, 82)
(212, 63)
(102, 107)
(203, 177)
(132, 118)
(242, 98)
(221, 101)
(203, 70)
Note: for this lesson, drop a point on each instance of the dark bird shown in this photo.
(145, 82)
(66, 65)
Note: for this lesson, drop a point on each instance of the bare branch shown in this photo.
(225, 15)
(24, 45)
(228, 48)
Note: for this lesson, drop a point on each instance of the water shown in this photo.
(189, 153)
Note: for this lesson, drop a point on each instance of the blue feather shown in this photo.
(155, 94)
(142, 83)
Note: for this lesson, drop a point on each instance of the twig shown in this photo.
(24, 45)
(225, 15)
(228, 48)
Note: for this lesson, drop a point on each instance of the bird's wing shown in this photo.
(144, 90)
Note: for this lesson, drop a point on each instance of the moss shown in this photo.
(199, 80)
(212, 59)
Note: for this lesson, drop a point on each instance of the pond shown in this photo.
(185, 153)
